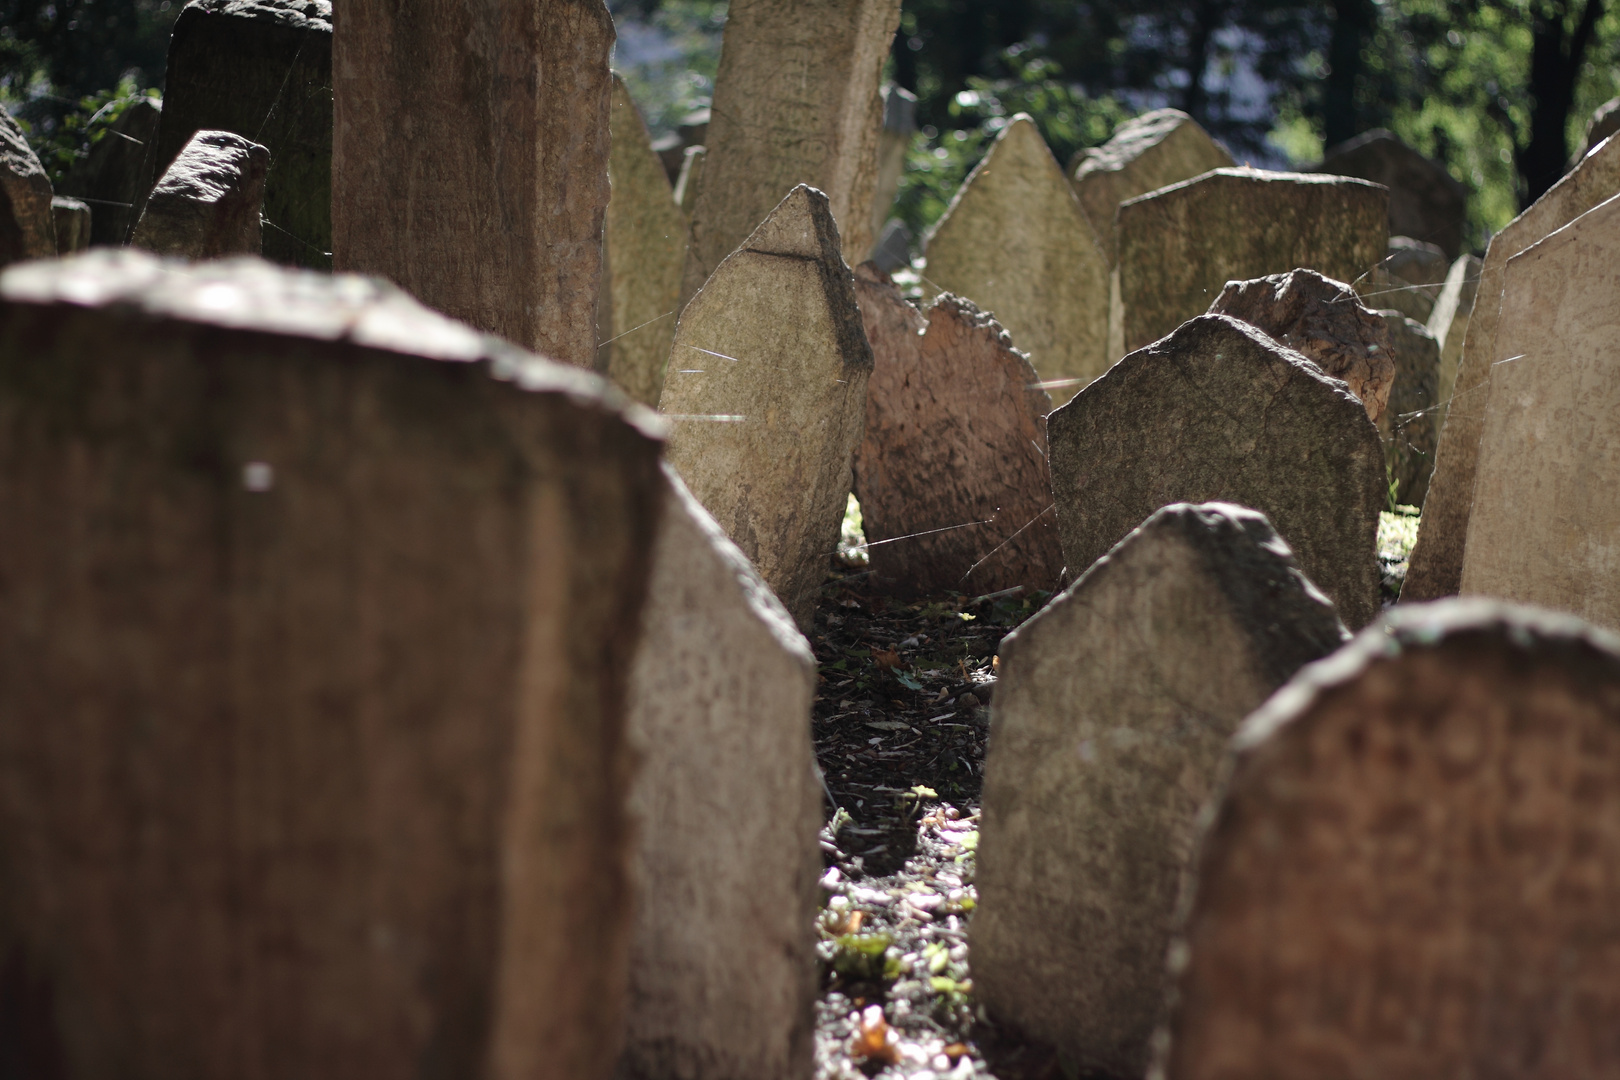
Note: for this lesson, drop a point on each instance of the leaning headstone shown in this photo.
(263, 69)
(116, 176)
(723, 962)
(208, 204)
(1219, 412)
(1414, 867)
(1545, 527)
(1435, 567)
(796, 101)
(1178, 246)
(1448, 324)
(951, 473)
(1325, 322)
(319, 614)
(72, 217)
(1425, 202)
(766, 388)
(1110, 721)
(27, 225)
(1408, 427)
(1016, 243)
(899, 128)
(480, 187)
(646, 243)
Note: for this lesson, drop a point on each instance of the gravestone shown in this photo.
(951, 472)
(1425, 203)
(1179, 245)
(646, 243)
(1323, 321)
(1605, 121)
(1219, 412)
(796, 101)
(1016, 243)
(1409, 279)
(1412, 869)
(686, 182)
(117, 174)
(899, 128)
(480, 187)
(1435, 567)
(1448, 324)
(27, 225)
(1409, 426)
(766, 389)
(313, 664)
(1545, 528)
(261, 69)
(208, 204)
(1110, 720)
(72, 223)
(723, 962)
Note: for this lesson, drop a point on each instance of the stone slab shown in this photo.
(1425, 202)
(1219, 412)
(951, 472)
(72, 218)
(1110, 722)
(1178, 246)
(1412, 870)
(117, 175)
(27, 226)
(899, 129)
(470, 160)
(1448, 324)
(766, 388)
(209, 202)
(319, 614)
(1409, 427)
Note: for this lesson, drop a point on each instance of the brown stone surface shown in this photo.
(1110, 720)
(1409, 426)
(263, 69)
(766, 389)
(796, 101)
(470, 160)
(1448, 324)
(1219, 412)
(209, 202)
(72, 217)
(1178, 246)
(27, 226)
(318, 615)
(1425, 202)
(1435, 567)
(723, 965)
(1414, 869)
(117, 175)
(646, 244)
(1545, 525)
(955, 436)
(1323, 320)
(1016, 243)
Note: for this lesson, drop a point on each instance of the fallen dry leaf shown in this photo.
(874, 1039)
(886, 660)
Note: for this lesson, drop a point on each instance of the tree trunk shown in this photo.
(1195, 102)
(1353, 24)
(1556, 54)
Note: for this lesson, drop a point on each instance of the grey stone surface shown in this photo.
(1425, 202)
(72, 224)
(899, 129)
(1410, 426)
(1448, 325)
(1409, 279)
(27, 225)
(1110, 721)
(208, 204)
(1219, 412)
(117, 175)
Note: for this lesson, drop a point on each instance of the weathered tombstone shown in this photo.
(72, 223)
(1412, 869)
(1110, 721)
(951, 472)
(1545, 526)
(1409, 279)
(117, 174)
(319, 614)
(481, 188)
(646, 243)
(899, 127)
(1408, 427)
(1425, 203)
(766, 387)
(1179, 245)
(1435, 567)
(1016, 243)
(1448, 324)
(1219, 412)
(1605, 121)
(208, 204)
(893, 249)
(723, 963)
(686, 182)
(796, 101)
(262, 69)
(27, 226)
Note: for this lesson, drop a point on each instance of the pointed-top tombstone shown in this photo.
(1016, 243)
(766, 387)
(27, 225)
(1110, 720)
(209, 202)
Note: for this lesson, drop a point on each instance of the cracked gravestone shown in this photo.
(319, 613)
(766, 390)
(27, 224)
(1408, 427)
(1017, 244)
(951, 472)
(1411, 870)
(1180, 245)
(723, 963)
(1110, 720)
(476, 176)
(117, 174)
(208, 204)
(1425, 202)
(1219, 412)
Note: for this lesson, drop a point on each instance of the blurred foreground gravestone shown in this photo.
(118, 173)
(1425, 202)
(1408, 427)
(1111, 718)
(1414, 867)
(319, 614)
(27, 224)
(72, 222)
(207, 205)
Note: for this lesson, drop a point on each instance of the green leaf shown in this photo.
(907, 681)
